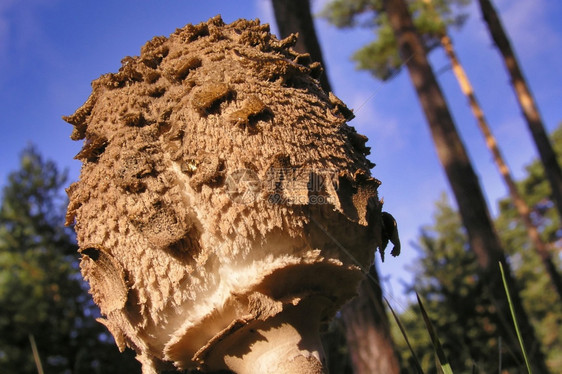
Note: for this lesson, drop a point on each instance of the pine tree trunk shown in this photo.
(367, 330)
(526, 102)
(294, 16)
(464, 182)
(522, 208)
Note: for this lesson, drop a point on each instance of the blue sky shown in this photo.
(50, 51)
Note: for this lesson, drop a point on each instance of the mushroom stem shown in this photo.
(289, 342)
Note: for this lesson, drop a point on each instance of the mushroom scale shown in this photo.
(225, 209)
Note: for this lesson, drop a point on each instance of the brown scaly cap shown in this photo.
(220, 186)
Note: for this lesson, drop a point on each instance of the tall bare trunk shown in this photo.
(294, 16)
(464, 182)
(526, 102)
(522, 208)
(367, 330)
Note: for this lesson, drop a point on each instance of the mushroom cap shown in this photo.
(220, 184)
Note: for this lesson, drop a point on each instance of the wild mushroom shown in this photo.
(224, 209)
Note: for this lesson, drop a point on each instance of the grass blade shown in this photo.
(515, 320)
(35, 354)
(416, 361)
(443, 361)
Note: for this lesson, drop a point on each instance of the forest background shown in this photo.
(51, 50)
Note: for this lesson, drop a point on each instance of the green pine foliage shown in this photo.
(380, 57)
(41, 292)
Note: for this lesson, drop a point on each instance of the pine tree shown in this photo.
(409, 46)
(522, 208)
(445, 278)
(464, 183)
(538, 293)
(381, 56)
(40, 291)
(294, 16)
(526, 102)
(367, 329)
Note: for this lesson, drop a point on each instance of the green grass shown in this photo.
(443, 362)
(442, 358)
(439, 353)
(403, 331)
(513, 316)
